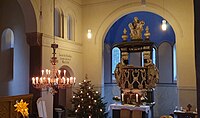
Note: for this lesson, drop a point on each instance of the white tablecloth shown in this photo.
(119, 106)
(130, 107)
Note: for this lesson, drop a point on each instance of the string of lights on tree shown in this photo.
(88, 103)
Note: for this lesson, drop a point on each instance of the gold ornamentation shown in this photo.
(22, 108)
(124, 36)
(136, 28)
(147, 33)
(153, 74)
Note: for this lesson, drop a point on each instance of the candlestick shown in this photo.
(42, 72)
(122, 97)
(47, 71)
(36, 80)
(59, 71)
(136, 99)
(64, 72)
(41, 81)
(33, 80)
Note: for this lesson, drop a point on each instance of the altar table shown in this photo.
(116, 108)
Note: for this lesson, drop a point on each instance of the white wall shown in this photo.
(69, 52)
(100, 15)
(12, 17)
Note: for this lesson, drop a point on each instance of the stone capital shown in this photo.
(34, 38)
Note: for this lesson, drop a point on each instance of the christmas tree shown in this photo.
(88, 102)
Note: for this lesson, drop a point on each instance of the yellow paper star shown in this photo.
(22, 108)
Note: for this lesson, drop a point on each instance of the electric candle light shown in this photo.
(36, 80)
(42, 72)
(67, 80)
(122, 96)
(136, 98)
(59, 71)
(48, 80)
(64, 72)
(41, 81)
(71, 79)
(33, 80)
(47, 71)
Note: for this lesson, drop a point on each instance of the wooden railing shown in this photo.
(7, 109)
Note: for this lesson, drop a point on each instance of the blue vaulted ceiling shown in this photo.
(152, 20)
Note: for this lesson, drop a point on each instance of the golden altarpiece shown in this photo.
(137, 83)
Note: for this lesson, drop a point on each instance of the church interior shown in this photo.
(99, 58)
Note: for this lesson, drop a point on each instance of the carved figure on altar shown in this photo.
(136, 28)
(118, 71)
(153, 74)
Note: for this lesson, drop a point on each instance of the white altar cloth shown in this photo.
(119, 106)
(130, 107)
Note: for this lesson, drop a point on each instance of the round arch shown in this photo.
(67, 68)
(64, 96)
(129, 8)
(29, 15)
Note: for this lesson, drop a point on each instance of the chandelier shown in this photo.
(53, 79)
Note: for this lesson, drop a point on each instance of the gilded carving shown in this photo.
(136, 28)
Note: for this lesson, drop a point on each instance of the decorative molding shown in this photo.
(34, 38)
(63, 44)
(187, 88)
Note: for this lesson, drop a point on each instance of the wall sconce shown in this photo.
(164, 25)
(89, 34)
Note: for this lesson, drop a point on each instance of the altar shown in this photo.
(131, 111)
(135, 74)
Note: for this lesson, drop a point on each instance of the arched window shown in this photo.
(165, 63)
(115, 58)
(70, 27)
(154, 55)
(7, 52)
(59, 23)
(174, 64)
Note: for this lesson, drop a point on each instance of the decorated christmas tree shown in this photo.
(88, 103)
